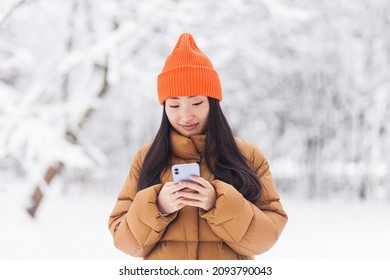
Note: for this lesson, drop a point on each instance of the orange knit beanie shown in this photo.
(188, 72)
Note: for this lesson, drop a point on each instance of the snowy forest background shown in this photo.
(308, 81)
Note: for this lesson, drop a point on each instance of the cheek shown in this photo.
(171, 116)
(205, 115)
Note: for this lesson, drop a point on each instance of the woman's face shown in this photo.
(188, 114)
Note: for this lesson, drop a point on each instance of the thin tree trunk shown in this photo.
(70, 135)
(54, 170)
(37, 195)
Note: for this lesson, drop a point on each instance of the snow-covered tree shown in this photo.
(307, 81)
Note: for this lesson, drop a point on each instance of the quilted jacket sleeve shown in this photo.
(249, 229)
(135, 222)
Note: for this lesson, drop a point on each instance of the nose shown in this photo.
(186, 114)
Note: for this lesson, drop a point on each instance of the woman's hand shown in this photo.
(199, 194)
(168, 201)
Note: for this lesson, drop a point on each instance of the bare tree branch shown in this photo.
(11, 10)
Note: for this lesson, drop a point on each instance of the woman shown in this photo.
(232, 211)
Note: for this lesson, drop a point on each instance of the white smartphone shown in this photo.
(183, 171)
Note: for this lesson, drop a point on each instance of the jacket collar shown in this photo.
(191, 148)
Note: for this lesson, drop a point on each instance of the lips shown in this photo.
(189, 126)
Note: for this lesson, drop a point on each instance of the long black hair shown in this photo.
(222, 156)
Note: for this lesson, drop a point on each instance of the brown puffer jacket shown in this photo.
(234, 229)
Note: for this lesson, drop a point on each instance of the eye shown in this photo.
(174, 106)
(198, 103)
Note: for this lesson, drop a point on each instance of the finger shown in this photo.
(192, 186)
(201, 181)
(174, 188)
(204, 190)
(195, 203)
(177, 196)
(191, 196)
(187, 190)
(167, 187)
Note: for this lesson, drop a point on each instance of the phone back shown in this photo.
(183, 171)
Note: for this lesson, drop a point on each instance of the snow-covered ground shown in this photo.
(74, 226)
(334, 230)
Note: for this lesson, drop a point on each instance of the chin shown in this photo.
(188, 134)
